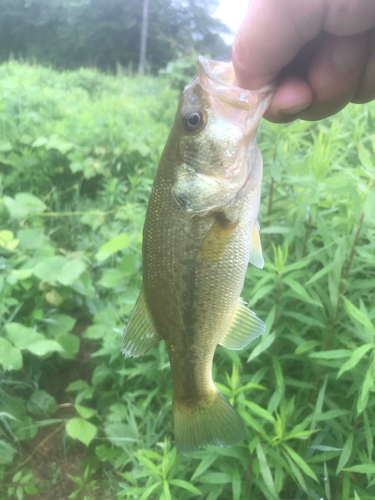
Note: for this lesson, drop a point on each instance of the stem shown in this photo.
(271, 198)
(249, 475)
(327, 343)
(307, 234)
(37, 447)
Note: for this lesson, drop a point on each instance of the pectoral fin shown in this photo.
(244, 327)
(216, 241)
(140, 334)
(256, 256)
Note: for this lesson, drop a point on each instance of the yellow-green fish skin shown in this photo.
(196, 246)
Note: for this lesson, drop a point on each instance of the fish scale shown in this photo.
(200, 229)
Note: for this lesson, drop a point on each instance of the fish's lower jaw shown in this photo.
(209, 421)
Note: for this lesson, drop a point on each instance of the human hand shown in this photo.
(321, 51)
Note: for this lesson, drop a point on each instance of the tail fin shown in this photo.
(213, 422)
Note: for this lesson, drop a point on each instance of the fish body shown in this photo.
(200, 230)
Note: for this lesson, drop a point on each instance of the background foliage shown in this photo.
(106, 33)
(78, 152)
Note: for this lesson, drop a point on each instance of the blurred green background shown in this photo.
(78, 153)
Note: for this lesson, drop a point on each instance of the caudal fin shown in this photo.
(213, 422)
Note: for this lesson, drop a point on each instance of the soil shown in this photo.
(49, 456)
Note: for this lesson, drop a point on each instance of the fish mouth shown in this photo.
(218, 79)
(216, 82)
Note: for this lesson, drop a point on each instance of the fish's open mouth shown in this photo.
(217, 78)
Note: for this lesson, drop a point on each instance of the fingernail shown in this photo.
(295, 109)
(347, 54)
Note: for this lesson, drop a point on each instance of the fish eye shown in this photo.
(193, 120)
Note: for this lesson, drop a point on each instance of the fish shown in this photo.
(199, 235)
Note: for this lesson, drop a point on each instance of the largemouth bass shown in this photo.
(199, 234)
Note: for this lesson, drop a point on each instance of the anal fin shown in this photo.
(256, 256)
(244, 327)
(140, 334)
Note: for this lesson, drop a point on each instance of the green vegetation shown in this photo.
(78, 152)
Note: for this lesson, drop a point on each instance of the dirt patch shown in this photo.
(49, 455)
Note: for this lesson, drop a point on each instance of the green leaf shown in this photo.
(358, 315)
(7, 453)
(50, 268)
(368, 434)
(59, 323)
(166, 490)
(168, 461)
(236, 484)
(23, 204)
(187, 486)
(7, 240)
(69, 342)
(300, 462)
(105, 454)
(216, 478)
(21, 274)
(265, 343)
(5, 147)
(27, 338)
(31, 239)
(43, 347)
(345, 454)
(22, 335)
(77, 385)
(40, 141)
(207, 461)
(362, 469)
(300, 291)
(355, 358)
(10, 356)
(258, 410)
(296, 472)
(116, 244)
(307, 346)
(327, 486)
(111, 277)
(84, 412)
(365, 390)
(127, 264)
(150, 465)
(147, 492)
(265, 471)
(41, 403)
(71, 271)
(334, 354)
(295, 266)
(80, 429)
(96, 331)
(59, 269)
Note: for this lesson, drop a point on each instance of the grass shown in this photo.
(78, 152)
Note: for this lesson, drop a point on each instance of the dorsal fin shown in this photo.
(256, 256)
(244, 327)
(140, 334)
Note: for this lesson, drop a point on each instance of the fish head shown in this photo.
(215, 133)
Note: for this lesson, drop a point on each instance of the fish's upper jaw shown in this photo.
(218, 78)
